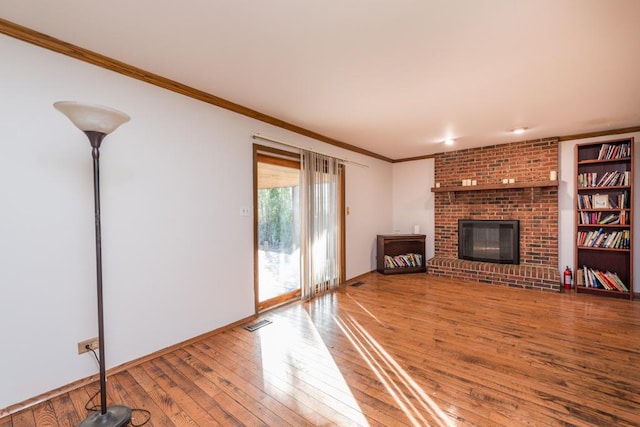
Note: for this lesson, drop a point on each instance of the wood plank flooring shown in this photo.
(398, 350)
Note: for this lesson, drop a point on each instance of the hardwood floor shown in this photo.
(398, 350)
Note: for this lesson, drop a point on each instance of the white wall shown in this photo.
(413, 201)
(566, 190)
(176, 252)
(368, 195)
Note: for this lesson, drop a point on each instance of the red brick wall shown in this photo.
(523, 161)
(536, 208)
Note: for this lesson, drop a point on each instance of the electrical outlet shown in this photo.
(86, 345)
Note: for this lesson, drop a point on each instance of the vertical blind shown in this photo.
(321, 227)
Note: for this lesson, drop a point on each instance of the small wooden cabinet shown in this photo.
(604, 218)
(400, 253)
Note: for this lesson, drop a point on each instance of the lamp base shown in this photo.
(116, 416)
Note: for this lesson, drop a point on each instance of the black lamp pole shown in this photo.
(104, 121)
(117, 415)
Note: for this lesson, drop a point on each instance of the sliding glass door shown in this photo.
(278, 229)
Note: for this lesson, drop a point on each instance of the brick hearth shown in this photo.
(535, 208)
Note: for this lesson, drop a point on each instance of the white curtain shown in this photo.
(321, 227)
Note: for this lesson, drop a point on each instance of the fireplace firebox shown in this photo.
(496, 241)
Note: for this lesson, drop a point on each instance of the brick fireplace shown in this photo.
(532, 200)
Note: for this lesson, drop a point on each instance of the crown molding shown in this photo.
(56, 45)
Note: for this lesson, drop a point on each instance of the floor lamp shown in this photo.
(97, 122)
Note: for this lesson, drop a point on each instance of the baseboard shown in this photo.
(358, 277)
(12, 409)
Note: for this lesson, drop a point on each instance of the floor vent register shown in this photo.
(258, 325)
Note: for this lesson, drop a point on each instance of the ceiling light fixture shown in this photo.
(519, 131)
(448, 141)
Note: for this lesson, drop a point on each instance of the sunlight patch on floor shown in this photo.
(419, 408)
(363, 308)
(301, 369)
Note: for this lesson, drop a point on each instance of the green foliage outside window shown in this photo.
(276, 218)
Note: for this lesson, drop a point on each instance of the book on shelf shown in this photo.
(600, 218)
(587, 179)
(608, 179)
(584, 201)
(603, 201)
(592, 278)
(594, 236)
(612, 218)
(579, 277)
(618, 239)
(614, 151)
(617, 280)
(607, 282)
(604, 179)
(609, 239)
(623, 200)
(403, 260)
(599, 240)
(604, 149)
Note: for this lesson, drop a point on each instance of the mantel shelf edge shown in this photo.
(485, 187)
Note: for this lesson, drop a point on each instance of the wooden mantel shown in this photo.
(484, 187)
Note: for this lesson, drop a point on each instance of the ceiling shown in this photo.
(394, 77)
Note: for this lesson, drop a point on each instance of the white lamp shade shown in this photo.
(92, 117)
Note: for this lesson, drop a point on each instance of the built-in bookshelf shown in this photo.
(604, 218)
(400, 253)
